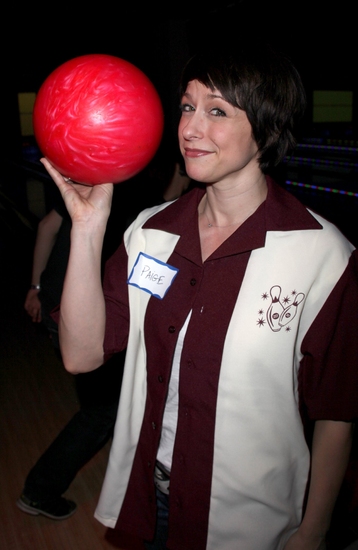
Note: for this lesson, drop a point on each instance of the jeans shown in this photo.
(161, 530)
(84, 435)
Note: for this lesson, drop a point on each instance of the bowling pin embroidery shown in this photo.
(275, 310)
(290, 311)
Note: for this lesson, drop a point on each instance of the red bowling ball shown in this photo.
(98, 118)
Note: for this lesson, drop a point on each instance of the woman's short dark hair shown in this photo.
(262, 82)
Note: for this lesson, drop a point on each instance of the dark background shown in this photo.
(321, 40)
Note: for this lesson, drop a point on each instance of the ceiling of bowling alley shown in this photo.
(320, 43)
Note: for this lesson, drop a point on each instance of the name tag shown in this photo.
(152, 275)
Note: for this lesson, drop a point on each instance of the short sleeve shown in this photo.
(328, 375)
(115, 290)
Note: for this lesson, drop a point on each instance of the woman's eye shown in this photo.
(218, 112)
(186, 108)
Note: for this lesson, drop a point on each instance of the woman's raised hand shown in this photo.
(85, 203)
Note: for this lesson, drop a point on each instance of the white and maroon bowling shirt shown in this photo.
(271, 344)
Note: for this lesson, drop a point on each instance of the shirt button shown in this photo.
(171, 329)
(154, 426)
(160, 378)
(193, 282)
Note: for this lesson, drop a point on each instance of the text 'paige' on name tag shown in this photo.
(152, 275)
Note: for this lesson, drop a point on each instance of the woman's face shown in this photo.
(215, 138)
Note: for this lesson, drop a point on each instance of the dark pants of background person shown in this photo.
(84, 435)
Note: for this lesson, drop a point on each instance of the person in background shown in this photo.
(98, 392)
(238, 309)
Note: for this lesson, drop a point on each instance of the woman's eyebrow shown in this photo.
(208, 96)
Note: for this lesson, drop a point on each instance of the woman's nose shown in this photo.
(191, 127)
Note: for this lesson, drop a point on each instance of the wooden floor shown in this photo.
(37, 398)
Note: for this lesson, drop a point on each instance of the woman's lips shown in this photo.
(195, 153)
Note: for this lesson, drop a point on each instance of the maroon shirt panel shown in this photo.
(115, 290)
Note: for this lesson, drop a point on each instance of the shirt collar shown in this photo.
(281, 211)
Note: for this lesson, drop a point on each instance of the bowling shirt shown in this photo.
(271, 344)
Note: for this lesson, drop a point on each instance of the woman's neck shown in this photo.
(226, 205)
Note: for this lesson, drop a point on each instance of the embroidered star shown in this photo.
(260, 322)
(265, 296)
(286, 300)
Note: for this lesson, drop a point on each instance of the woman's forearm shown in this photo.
(82, 313)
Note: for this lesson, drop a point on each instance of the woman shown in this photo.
(232, 301)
